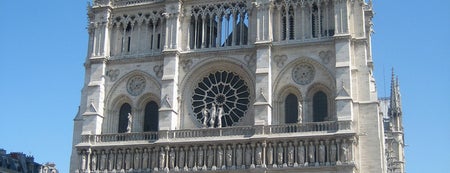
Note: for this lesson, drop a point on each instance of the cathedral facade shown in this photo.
(229, 86)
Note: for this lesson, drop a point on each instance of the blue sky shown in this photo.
(43, 48)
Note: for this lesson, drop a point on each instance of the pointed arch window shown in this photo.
(320, 107)
(125, 109)
(291, 109)
(151, 118)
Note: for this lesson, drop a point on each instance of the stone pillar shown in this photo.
(344, 100)
(263, 88)
(168, 113)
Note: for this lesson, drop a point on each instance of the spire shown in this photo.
(395, 104)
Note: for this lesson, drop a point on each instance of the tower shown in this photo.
(232, 86)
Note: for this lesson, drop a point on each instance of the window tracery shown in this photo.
(220, 99)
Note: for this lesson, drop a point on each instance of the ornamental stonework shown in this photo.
(303, 74)
(136, 85)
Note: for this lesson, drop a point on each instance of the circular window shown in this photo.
(220, 99)
(303, 73)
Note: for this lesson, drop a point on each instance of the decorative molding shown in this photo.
(186, 64)
(325, 56)
(280, 59)
(303, 73)
(113, 74)
(158, 69)
(136, 85)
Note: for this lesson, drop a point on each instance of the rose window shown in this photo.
(220, 99)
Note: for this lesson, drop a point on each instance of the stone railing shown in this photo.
(121, 3)
(240, 131)
(293, 154)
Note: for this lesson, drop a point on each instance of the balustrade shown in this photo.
(242, 131)
(272, 154)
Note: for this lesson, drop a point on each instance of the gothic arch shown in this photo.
(279, 114)
(118, 94)
(111, 123)
(142, 112)
(312, 90)
(205, 68)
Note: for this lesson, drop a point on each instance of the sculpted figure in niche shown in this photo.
(191, 157)
(181, 158)
(145, 159)
(128, 159)
(270, 154)
(345, 152)
(130, 122)
(219, 117)
(111, 160)
(229, 156)
(172, 158)
(154, 158)
(103, 159)
(200, 157)
(333, 152)
(212, 117)
(258, 154)
(219, 156)
(301, 153)
(280, 154)
(119, 160)
(248, 155)
(239, 155)
(290, 155)
(205, 116)
(137, 159)
(311, 152)
(83, 160)
(162, 158)
(94, 160)
(321, 152)
(210, 156)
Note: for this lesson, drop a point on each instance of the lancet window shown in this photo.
(291, 109)
(320, 107)
(151, 117)
(125, 110)
(137, 33)
(298, 19)
(218, 25)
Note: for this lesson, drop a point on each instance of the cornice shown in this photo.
(141, 59)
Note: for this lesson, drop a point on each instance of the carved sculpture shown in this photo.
(280, 154)
(103, 159)
(290, 155)
(172, 158)
(111, 160)
(212, 115)
(345, 152)
(127, 159)
(83, 160)
(219, 116)
(239, 155)
(301, 153)
(145, 159)
(119, 160)
(333, 152)
(94, 160)
(210, 157)
(229, 156)
(311, 152)
(270, 154)
(200, 157)
(181, 158)
(205, 116)
(162, 159)
(248, 155)
(321, 152)
(219, 160)
(258, 155)
(130, 122)
(191, 157)
(300, 113)
(137, 158)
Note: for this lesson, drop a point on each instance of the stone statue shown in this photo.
(191, 154)
(212, 117)
(219, 116)
(111, 160)
(83, 160)
(145, 159)
(137, 159)
(300, 113)
(290, 155)
(311, 152)
(130, 122)
(258, 155)
(301, 153)
(172, 158)
(200, 157)
(119, 160)
(345, 152)
(205, 116)
(181, 157)
(239, 155)
(321, 152)
(280, 154)
(103, 159)
(248, 155)
(154, 158)
(162, 159)
(219, 160)
(229, 156)
(128, 159)
(94, 161)
(333, 152)
(270, 154)
(210, 157)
